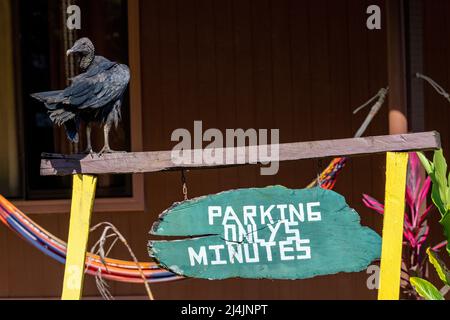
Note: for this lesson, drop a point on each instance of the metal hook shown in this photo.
(381, 95)
(184, 184)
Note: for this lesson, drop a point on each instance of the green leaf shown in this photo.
(440, 192)
(436, 197)
(426, 290)
(427, 164)
(439, 265)
(445, 222)
(437, 171)
(440, 174)
(448, 193)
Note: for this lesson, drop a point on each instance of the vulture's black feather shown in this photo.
(94, 96)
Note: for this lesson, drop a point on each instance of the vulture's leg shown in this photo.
(113, 118)
(88, 138)
(107, 148)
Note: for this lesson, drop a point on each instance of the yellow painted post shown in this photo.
(83, 197)
(394, 215)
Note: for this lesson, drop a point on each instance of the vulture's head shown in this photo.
(85, 49)
(84, 46)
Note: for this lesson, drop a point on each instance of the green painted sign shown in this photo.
(270, 233)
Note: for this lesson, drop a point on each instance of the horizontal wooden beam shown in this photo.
(128, 163)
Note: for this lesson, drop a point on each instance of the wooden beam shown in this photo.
(128, 163)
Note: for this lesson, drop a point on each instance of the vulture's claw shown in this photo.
(89, 151)
(107, 150)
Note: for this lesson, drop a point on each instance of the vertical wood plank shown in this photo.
(134, 45)
(360, 169)
(4, 284)
(341, 111)
(397, 67)
(320, 71)
(415, 42)
(207, 85)
(226, 83)
(80, 219)
(338, 55)
(153, 113)
(170, 64)
(134, 49)
(189, 66)
(244, 82)
(282, 62)
(437, 65)
(50, 270)
(262, 59)
(302, 93)
(378, 77)
(391, 256)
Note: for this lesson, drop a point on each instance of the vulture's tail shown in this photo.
(58, 112)
(51, 99)
(72, 130)
(69, 120)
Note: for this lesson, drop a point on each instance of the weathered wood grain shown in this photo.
(127, 163)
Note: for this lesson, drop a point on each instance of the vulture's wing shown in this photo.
(103, 83)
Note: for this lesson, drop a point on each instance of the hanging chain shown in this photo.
(185, 187)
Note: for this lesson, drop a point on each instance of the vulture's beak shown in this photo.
(69, 52)
(74, 49)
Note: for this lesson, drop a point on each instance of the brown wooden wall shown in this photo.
(437, 66)
(298, 66)
(436, 57)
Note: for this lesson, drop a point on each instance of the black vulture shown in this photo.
(94, 96)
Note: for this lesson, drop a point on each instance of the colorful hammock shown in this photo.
(113, 270)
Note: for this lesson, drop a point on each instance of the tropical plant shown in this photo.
(437, 170)
(440, 194)
(416, 228)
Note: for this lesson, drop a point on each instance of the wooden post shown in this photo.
(84, 187)
(394, 215)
